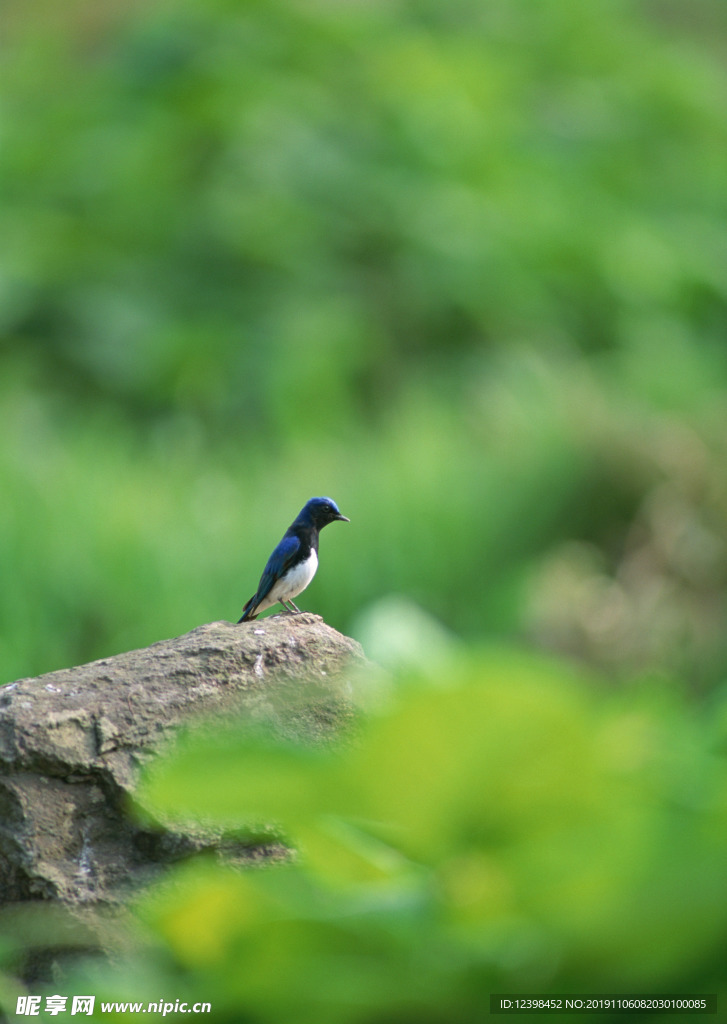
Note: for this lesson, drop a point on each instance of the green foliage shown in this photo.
(239, 197)
(252, 210)
(501, 827)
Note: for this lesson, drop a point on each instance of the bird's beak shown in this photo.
(344, 519)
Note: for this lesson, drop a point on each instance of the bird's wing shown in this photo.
(278, 564)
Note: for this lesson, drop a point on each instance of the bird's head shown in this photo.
(321, 511)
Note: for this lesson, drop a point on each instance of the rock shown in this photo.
(72, 743)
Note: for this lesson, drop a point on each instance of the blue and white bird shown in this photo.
(293, 564)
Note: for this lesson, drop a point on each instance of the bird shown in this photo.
(294, 561)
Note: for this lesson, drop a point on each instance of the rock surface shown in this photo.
(72, 743)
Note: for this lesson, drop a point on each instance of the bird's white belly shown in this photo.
(294, 582)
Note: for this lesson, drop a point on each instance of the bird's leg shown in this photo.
(288, 610)
(294, 605)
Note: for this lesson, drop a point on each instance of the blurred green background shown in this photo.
(462, 266)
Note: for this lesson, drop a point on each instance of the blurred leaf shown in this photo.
(276, 780)
(499, 815)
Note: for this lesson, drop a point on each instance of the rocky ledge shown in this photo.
(72, 743)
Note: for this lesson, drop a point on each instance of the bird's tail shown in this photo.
(248, 612)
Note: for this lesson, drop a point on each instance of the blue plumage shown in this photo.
(294, 561)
